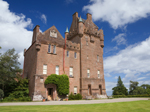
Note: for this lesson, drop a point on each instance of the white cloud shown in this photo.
(131, 61)
(107, 75)
(141, 78)
(13, 32)
(120, 39)
(116, 77)
(118, 12)
(43, 18)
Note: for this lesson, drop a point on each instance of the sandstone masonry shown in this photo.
(79, 55)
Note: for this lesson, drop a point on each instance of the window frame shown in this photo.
(97, 58)
(67, 53)
(71, 72)
(54, 49)
(75, 55)
(49, 48)
(88, 73)
(57, 70)
(44, 68)
(75, 90)
(98, 73)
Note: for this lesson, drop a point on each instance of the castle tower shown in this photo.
(92, 82)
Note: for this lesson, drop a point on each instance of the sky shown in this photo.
(126, 26)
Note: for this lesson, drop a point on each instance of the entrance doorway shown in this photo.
(100, 89)
(50, 93)
(89, 90)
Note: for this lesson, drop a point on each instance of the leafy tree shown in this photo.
(133, 86)
(1, 94)
(120, 89)
(9, 68)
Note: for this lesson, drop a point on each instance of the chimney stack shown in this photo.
(89, 16)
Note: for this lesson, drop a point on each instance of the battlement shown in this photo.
(71, 45)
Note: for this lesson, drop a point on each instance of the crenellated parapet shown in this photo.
(73, 46)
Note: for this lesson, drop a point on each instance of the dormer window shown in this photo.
(53, 33)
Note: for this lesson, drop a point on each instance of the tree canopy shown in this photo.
(138, 90)
(120, 89)
(9, 68)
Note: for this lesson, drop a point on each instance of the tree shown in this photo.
(1, 94)
(133, 86)
(9, 68)
(120, 89)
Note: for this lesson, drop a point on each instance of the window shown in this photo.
(75, 89)
(71, 71)
(75, 55)
(67, 53)
(89, 90)
(41, 80)
(87, 43)
(57, 70)
(98, 73)
(54, 49)
(49, 48)
(98, 58)
(88, 73)
(44, 69)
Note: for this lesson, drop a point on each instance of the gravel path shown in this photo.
(73, 102)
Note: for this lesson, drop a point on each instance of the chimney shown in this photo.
(35, 31)
(75, 15)
(75, 19)
(89, 16)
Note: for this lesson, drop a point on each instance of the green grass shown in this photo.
(133, 106)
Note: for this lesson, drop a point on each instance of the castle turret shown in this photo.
(80, 27)
(101, 38)
(35, 31)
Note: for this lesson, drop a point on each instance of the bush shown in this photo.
(16, 99)
(75, 97)
(128, 96)
(61, 81)
(1, 94)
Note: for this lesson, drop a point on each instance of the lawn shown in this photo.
(133, 106)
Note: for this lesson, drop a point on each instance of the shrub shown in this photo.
(16, 99)
(1, 94)
(61, 81)
(71, 96)
(75, 97)
(128, 96)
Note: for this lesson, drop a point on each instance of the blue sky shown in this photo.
(126, 25)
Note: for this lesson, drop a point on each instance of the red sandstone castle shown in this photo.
(79, 55)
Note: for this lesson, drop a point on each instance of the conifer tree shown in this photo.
(120, 89)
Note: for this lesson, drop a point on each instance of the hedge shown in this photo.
(61, 81)
(75, 97)
(128, 96)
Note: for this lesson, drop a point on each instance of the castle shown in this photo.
(79, 55)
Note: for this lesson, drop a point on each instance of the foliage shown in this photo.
(120, 89)
(9, 68)
(12, 99)
(133, 86)
(75, 97)
(128, 96)
(1, 94)
(138, 90)
(61, 81)
(21, 92)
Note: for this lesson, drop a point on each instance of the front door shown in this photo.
(50, 93)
